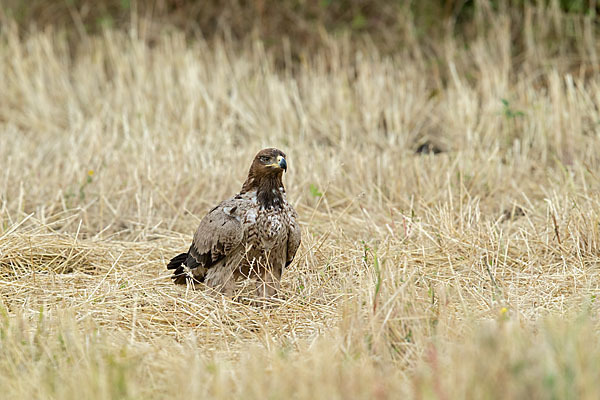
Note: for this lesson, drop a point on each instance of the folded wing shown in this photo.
(294, 238)
(219, 233)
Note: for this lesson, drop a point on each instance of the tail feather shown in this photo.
(180, 276)
(177, 263)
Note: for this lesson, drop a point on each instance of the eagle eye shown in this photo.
(264, 159)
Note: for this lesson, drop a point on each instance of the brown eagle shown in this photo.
(253, 234)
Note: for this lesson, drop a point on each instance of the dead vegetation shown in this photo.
(467, 272)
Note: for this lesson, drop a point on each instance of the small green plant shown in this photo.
(314, 191)
(105, 21)
(509, 112)
(359, 22)
(300, 286)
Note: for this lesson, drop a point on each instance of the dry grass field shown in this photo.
(469, 272)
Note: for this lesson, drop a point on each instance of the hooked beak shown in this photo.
(282, 163)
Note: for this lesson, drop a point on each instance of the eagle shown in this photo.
(254, 234)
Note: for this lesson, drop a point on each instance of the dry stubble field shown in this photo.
(469, 273)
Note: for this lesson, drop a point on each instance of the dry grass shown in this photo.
(466, 274)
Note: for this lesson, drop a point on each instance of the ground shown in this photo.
(449, 210)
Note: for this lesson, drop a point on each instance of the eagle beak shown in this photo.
(282, 163)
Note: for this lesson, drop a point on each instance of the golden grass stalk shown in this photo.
(426, 275)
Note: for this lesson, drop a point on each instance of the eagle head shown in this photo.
(268, 162)
(266, 173)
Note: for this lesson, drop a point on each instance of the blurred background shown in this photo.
(300, 25)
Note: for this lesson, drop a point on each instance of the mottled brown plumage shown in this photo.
(253, 234)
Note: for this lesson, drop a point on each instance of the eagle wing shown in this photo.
(294, 237)
(220, 232)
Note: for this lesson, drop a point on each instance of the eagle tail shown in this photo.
(180, 275)
(177, 263)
